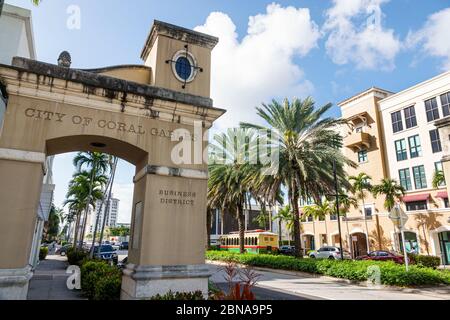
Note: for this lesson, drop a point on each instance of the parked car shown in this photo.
(287, 250)
(329, 252)
(382, 255)
(107, 253)
(63, 250)
(124, 245)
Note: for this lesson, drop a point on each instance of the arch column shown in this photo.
(167, 244)
(21, 173)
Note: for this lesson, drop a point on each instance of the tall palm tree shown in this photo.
(229, 173)
(320, 211)
(438, 179)
(99, 164)
(391, 190)
(360, 185)
(345, 203)
(82, 193)
(285, 215)
(308, 145)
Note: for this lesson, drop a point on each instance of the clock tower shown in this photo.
(179, 58)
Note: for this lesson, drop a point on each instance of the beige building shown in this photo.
(395, 136)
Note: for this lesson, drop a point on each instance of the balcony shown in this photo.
(358, 141)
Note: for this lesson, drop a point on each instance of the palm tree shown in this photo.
(438, 179)
(308, 144)
(391, 190)
(285, 215)
(229, 173)
(320, 211)
(360, 185)
(345, 203)
(99, 164)
(82, 193)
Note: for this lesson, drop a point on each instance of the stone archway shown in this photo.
(136, 114)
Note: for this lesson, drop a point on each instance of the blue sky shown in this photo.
(327, 49)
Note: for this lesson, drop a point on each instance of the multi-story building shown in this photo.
(394, 136)
(111, 219)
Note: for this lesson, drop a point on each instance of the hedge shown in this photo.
(424, 261)
(76, 256)
(100, 281)
(357, 270)
(43, 251)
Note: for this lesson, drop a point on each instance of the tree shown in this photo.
(229, 176)
(99, 164)
(285, 215)
(391, 190)
(438, 179)
(51, 226)
(345, 203)
(320, 211)
(360, 185)
(80, 195)
(308, 145)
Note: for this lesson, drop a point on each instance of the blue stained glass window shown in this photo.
(183, 68)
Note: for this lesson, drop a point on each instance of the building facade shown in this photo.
(111, 218)
(399, 136)
(17, 39)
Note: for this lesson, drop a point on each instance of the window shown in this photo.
(333, 217)
(415, 149)
(435, 141)
(446, 204)
(432, 110)
(400, 148)
(438, 167)
(420, 179)
(359, 129)
(445, 101)
(362, 156)
(368, 211)
(397, 124)
(310, 219)
(405, 179)
(416, 205)
(410, 117)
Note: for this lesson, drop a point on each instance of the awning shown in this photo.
(416, 197)
(442, 195)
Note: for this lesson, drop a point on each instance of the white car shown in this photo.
(329, 252)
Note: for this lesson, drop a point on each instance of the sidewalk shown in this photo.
(327, 288)
(49, 281)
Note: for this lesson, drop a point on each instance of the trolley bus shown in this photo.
(255, 241)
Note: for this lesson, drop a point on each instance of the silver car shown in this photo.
(329, 252)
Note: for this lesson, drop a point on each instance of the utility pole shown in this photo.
(336, 190)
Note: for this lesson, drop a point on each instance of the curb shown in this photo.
(425, 290)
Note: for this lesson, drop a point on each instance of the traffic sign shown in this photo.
(398, 216)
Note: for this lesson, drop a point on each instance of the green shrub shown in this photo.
(100, 281)
(357, 270)
(424, 261)
(76, 256)
(197, 295)
(43, 251)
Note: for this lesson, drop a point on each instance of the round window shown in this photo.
(184, 66)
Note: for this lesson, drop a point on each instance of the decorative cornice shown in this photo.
(171, 172)
(178, 33)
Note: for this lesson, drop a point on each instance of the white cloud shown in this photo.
(249, 72)
(124, 192)
(356, 35)
(434, 37)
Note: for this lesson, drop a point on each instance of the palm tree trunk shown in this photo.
(297, 235)
(86, 210)
(208, 228)
(77, 227)
(367, 228)
(106, 215)
(241, 223)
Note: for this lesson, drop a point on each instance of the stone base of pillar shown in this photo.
(144, 282)
(14, 283)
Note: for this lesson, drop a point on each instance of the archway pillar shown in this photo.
(167, 244)
(21, 173)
